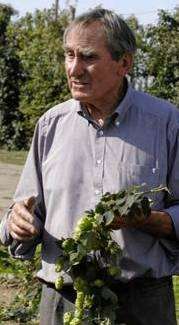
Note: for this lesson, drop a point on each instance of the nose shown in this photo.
(75, 67)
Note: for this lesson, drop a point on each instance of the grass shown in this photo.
(13, 157)
(176, 291)
(24, 307)
(18, 158)
(20, 275)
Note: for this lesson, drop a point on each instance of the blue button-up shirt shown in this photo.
(73, 162)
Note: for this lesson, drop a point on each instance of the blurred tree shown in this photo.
(10, 73)
(163, 56)
(39, 38)
(138, 76)
(32, 75)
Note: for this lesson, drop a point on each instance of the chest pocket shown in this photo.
(133, 174)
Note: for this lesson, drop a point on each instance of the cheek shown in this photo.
(96, 76)
(68, 81)
(102, 78)
(68, 75)
(67, 70)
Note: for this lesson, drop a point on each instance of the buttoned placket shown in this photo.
(99, 164)
(98, 141)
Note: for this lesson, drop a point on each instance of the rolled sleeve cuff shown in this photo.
(17, 249)
(173, 211)
(23, 250)
(5, 236)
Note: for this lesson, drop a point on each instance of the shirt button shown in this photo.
(99, 161)
(117, 123)
(100, 133)
(97, 192)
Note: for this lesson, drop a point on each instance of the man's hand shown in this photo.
(158, 224)
(118, 223)
(22, 224)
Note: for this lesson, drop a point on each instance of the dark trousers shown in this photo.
(141, 302)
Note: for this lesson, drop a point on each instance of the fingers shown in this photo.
(19, 234)
(118, 223)
(22, 223)
(21, 211)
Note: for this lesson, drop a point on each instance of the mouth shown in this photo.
(79, 83)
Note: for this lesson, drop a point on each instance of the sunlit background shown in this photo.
(145, 11)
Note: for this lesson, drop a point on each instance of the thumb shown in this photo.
(30, 204)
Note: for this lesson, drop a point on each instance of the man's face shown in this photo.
(93, 76)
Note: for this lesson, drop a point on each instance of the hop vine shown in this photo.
(92, 258)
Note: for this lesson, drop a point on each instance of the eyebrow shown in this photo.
(83, 51)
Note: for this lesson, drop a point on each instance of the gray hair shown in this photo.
(120, 38)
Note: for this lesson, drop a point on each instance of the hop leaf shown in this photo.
(108, 217)
(85, 224)
(108, 294)
(92, 258)
(98, 283)
(69, 245)
(114, 271)
(80, 284)
(113, 248)
(88, 301)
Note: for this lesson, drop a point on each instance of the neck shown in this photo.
(100, 111)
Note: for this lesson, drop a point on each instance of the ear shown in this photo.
(125, 64)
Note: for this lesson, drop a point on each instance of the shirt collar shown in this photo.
(116, 116)
(124, 105)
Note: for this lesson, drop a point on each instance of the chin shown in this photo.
(79, 96)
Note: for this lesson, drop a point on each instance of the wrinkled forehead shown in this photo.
(88, 31)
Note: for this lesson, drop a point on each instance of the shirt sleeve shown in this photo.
(30, 184)
(172, 199)
(5, 237)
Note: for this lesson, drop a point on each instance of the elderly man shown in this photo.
(107, 137)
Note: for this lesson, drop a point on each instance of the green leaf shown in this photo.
(120, 202)
(109, 217)
(96, 255)
(99, 218)
(91, 241)
(75, 258)
(108, 294)
(69, 245)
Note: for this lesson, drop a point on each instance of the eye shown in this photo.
(69, 54)
(89, 57)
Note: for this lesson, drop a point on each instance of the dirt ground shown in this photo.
(9, 176)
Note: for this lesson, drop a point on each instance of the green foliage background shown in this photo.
(32, 76)
(32, 79)
(20, 275)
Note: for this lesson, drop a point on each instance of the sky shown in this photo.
(145, 11)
